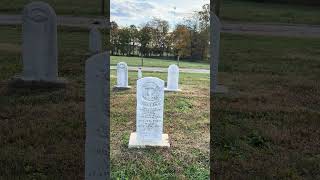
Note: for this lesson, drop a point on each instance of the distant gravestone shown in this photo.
(39, 47)
(173, 78)
(139, 73)
(122, 76)
(96, 115)
(149, 114)
(215, 54)
(95, 43)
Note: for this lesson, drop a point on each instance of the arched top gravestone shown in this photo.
(122, 76)
(96, 116)
(39, 48)
(95, 42)
(149, 114)
(39, 42)
(173, 78)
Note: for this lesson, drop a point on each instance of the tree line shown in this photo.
(188, 39)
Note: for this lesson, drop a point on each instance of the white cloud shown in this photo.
(127, 12)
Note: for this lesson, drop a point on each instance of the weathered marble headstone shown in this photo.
(215, 54)
(122, 76)
(139, 73)
(39, 47)
(173, 78)
(96, 115)
(95, 43)
(149, 114)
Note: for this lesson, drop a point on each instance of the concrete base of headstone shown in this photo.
(19, 82)
(119, 88)
(172, 90)
(221, 89)
(133, 143)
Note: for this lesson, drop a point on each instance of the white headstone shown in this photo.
(39, 42)
(96, 115)
(122, 75)
(139, 73)
(95, 43)
(173, 78)
(215, 54)
(149, 114)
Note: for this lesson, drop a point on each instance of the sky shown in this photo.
(137, 12)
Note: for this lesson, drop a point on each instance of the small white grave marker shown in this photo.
(95, 44)
(122, 76)
(173, 78)
(215, 54)
(149, 114)
(139, 73)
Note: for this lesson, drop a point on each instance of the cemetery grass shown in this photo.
(186, 120)
(268, 127)
(61, 7)
(249, 11)
(158, 62)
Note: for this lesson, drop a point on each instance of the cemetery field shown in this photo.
(268, 126)
(62, 7)
(157, 62)
(242, 10)
(186, 120)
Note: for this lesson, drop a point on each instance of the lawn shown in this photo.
(266, 128)
(186, 120)
(61, 7)
(157, 62)
(237, 10)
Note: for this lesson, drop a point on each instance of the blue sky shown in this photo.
(137, 12)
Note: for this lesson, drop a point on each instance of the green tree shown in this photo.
(159, 31)
(133, 39)
(124, 41)
(144, 38)
(114, 38)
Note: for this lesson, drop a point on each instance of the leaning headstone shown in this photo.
(215, 52)
(173, 78)
(139, 73)
(149, 115)
(39, 47)
(122, 76)
(95, 43)
(96, 115)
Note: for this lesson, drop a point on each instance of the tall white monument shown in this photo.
(122, 76)
(173, 78)
(96, 115)
(149, 115)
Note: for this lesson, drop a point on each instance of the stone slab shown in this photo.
(18, 82)
(133, 143)
(119, 88)
(172, 90)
